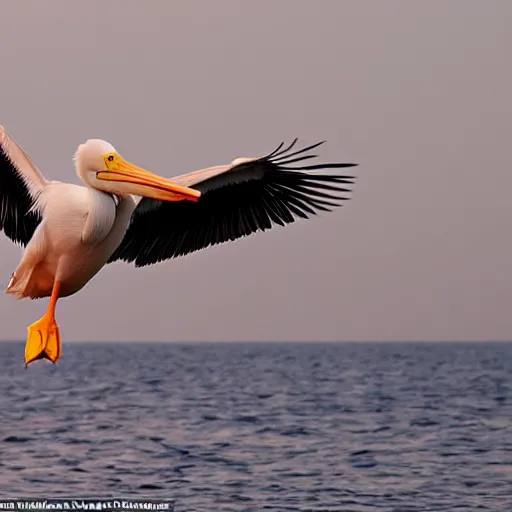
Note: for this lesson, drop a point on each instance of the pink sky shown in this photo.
(419, 93)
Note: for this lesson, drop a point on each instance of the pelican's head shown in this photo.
(100, 166)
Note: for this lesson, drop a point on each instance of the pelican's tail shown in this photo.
(31, 281)
(18, 284)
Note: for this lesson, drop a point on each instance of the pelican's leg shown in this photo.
(43, 340)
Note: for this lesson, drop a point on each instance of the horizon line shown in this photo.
(204, 342)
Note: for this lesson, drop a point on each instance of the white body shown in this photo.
(73, 247)
(79, 226)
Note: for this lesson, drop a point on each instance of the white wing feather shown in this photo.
(30, 174)
(222, 175)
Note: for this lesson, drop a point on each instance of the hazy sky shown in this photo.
(418, 93)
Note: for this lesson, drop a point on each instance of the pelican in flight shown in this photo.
(123, 212)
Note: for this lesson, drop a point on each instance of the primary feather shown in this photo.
(237, 200)
(21, 183)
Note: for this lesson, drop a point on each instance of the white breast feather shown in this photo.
(100, 219)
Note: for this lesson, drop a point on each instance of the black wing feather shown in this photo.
(16, 218)
(163, 230)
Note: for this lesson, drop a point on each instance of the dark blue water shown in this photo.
(310, 427)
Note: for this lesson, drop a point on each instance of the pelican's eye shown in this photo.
(110, 160)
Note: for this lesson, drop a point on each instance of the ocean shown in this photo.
(398, 427)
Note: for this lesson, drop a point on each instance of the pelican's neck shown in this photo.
(126, 204)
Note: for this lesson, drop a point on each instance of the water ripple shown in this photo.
(248, 427)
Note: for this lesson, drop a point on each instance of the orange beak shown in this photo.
(144, 183)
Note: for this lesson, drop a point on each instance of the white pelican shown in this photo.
(127, 213)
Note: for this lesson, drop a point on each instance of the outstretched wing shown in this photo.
(237, 199)
(20, 185)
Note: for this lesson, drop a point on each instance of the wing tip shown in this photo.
(283, 158)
